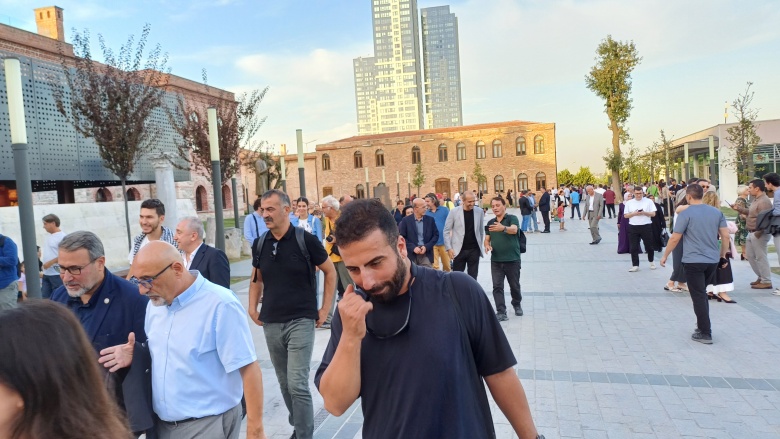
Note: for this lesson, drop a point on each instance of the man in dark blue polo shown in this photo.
(109, 309)
(420, 233)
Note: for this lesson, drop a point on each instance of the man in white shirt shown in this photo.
(640, 212)
(600, 189)
(51, 277)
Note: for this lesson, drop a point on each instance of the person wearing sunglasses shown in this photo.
(109, 308)
(406, 333)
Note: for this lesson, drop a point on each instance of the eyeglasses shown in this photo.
(147, 283)
(273, 252)
(75, 271)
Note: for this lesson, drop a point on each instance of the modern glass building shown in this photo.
(441, 63)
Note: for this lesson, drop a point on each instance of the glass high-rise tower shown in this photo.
(441, 62)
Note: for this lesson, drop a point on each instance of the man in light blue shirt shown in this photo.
(534, 208)
(202, 353)
(254, 226)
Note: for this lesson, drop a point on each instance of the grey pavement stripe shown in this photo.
(766, 384)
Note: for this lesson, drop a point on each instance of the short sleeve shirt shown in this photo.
(288, 293)
(51, 249)
(429, 362)
(506, 247)
(635, 205)
(699, 225)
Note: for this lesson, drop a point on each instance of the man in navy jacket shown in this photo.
(212, 262)
(109, 309)
(420, 233)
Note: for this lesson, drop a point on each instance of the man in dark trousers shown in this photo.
(421, 234)
(212, 262)
(544, 208)
(525, 210)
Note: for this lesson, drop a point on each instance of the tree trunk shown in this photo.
(616, 173)
(127, 214)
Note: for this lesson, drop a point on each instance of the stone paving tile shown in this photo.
(604, 353)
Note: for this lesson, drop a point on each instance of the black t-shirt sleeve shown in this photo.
(330, 351)
(492, 353)
(316, 249)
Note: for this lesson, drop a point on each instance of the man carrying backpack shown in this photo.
(284, 259)
(9, 273)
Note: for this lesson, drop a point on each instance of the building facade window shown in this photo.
(497, 149)
(461, 185)
(358, 159)
(481, 153)
(380, 158)
(360, 192)
(522, 182)
(541, 181)
(461, 151)
(326, 162)
(415, 155)
(498, 183)
(483, 187)
(227, 198)
(520, 146)
(442, 153)
(201, 199)
(103, 195)
(327, 190)
(133, 194)
(538, 145)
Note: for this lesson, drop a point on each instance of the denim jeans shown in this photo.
(8, 296)
(290, 347)
(535, 222)
(526, 221)
(699, 276)
(49, 283)
(510, 271)
(576, 206)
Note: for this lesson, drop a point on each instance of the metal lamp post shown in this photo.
(13, 83)
(216, 177)
(235, 202)
(282, 153)
(301, 170)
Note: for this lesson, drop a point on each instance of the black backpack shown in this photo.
(18, 266)
(299, 237)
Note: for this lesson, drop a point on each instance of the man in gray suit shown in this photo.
(594, 204)
(464, 232)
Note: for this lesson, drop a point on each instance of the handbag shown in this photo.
(665, 238)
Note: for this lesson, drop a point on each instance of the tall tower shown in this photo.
(396, 67)
(441, 61)
(49, 21)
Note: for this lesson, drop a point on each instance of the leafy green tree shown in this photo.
(565, 177)
(478, 176)
(610, 79)
(583, 177)
(419, 178)
(743, 136)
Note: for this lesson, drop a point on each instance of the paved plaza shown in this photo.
(604, 353)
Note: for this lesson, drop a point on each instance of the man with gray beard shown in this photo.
(108, 307)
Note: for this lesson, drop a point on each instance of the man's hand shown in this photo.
(322, 315)
(119, 356)
(663, 261)
(254, 314)
(353, 310)
(496, 227)
(488, 248)
(423, 250)
(598, 217)
(451, 253)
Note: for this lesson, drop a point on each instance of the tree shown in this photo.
(610, 79)
(743, 136)
(583, 177)
(478, 176)
(663, 149)
(565, 177)
(113, 103)
(419, 178)
(237, 124)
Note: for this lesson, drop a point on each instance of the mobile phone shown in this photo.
(640, 210)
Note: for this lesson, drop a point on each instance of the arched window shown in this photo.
(461, 151)
(522, 182)
(538, 145)
(461, 185)
(483, 187)
(201, 199)
(415, 155)
(227, 198)
(103, 195)
(360, 192)
(358, 159)
(133, 194)
(498, 183)
(326, 162)
(380, 157)
(442, 153)
(497, 149)
(541, 181)
(520, 146)
(481, 154)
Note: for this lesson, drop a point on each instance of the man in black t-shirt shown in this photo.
(284, 276)
(464, 233)
(411, 334)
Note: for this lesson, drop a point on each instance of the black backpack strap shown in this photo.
(301, 238)
(257, 228)
(259, 241)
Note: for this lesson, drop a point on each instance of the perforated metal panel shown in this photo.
(56, 151)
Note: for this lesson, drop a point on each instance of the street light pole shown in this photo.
(13, 84)
(282, 153)
(301, 171)
(216, 178)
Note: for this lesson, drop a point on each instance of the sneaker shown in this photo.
(633, 269)
(701, 338)
(518, 310)
(652, 266)
(776, 292)
(501, 316)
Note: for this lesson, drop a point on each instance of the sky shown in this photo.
(520, 59)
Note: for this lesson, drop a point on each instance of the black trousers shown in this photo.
(546, 219)
(611, 210)
(510, 271)
(575, 206)
(468, 257)
(645, 233)
(699, 276)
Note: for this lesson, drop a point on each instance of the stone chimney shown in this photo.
(49, 21)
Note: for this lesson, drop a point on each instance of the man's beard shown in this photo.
(77, 293)
(387, 292)
(158, 301)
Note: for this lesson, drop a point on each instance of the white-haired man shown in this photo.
(331, 210)
(594, 204)
(211, 262)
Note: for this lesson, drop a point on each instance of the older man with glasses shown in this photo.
(109, 309)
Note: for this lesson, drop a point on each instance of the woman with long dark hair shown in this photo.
(50, 385)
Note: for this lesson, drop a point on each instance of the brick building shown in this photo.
(512, 155)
